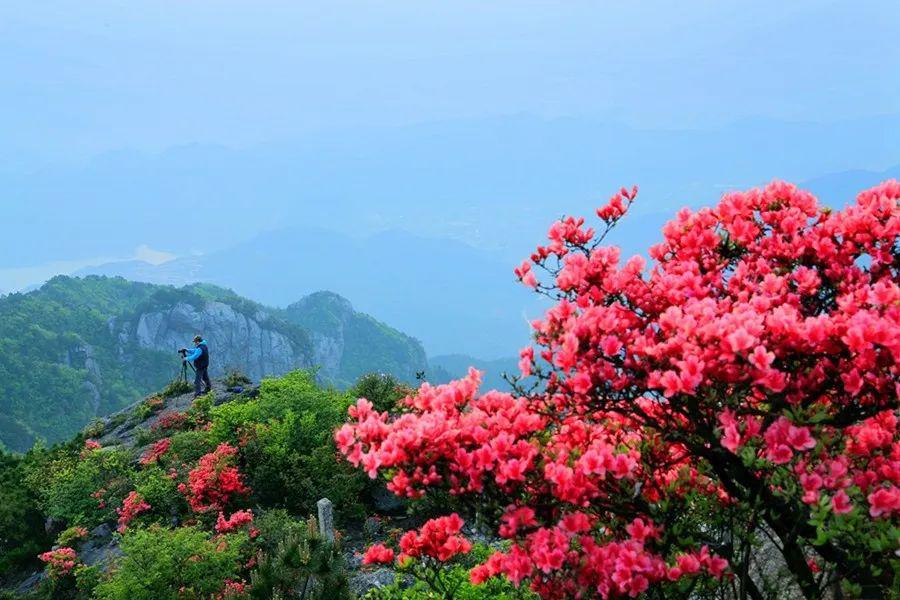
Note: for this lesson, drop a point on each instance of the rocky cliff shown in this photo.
(247, 343)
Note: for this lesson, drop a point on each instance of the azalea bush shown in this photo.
(60, 562)
(706, 422)
(214, 481)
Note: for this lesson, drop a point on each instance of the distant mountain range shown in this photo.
(837, 189)
(80, 348)
(495, 183)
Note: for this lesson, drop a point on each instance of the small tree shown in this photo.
(738, 398)
(304, 566)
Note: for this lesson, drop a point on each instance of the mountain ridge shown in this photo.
(79, 348)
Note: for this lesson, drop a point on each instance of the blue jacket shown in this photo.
(195, 353)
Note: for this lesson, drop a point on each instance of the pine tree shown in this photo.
(303, 566)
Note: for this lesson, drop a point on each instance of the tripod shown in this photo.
(182, 375)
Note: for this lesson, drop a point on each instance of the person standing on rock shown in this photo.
(199, 358)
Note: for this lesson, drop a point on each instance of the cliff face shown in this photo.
(247, 343)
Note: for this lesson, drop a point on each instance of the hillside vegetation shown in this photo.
(177, 498)
(80, 348)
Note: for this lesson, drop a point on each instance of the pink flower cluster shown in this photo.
(438, 539)
(235, 521)
(156, 451)
(482, 438)
(89, 446)
(378, 554)
(766, 333)
(170, 421)
(132, 506)
(60, 562)
(233, 589)
(214, 481)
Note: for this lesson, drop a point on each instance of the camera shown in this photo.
(182, 352)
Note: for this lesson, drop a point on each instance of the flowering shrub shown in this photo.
(745, 384)
(132, 506)
(171, 421)
(214, 480)
(155, 451)
(89, 447)
(424, 553)
(60, 562)
(150, 406)
(71, 535)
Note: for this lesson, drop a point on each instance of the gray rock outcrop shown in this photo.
(235, 340)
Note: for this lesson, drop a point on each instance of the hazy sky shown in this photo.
(118, 117)
(83, 77)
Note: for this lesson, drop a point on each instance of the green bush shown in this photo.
(86, 580)
(22, 534)
(66, 482)
(189, 446)
(275, 525)
(144, 436)
(160, 492)
(201, 407)
(383, 391)
(286, 436)
(94, 429)
(171, 564)
(235, 378)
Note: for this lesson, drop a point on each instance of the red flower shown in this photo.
(214, 480)
(235, 521)
(884, 501)
(438, 538)
(154, 453)
(132, 506)
(378, 554)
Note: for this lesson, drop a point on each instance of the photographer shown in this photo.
(199, 359)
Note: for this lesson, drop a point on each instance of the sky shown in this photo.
(81, 78)
(150, 129)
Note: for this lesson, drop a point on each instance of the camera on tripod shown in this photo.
(183, 352)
